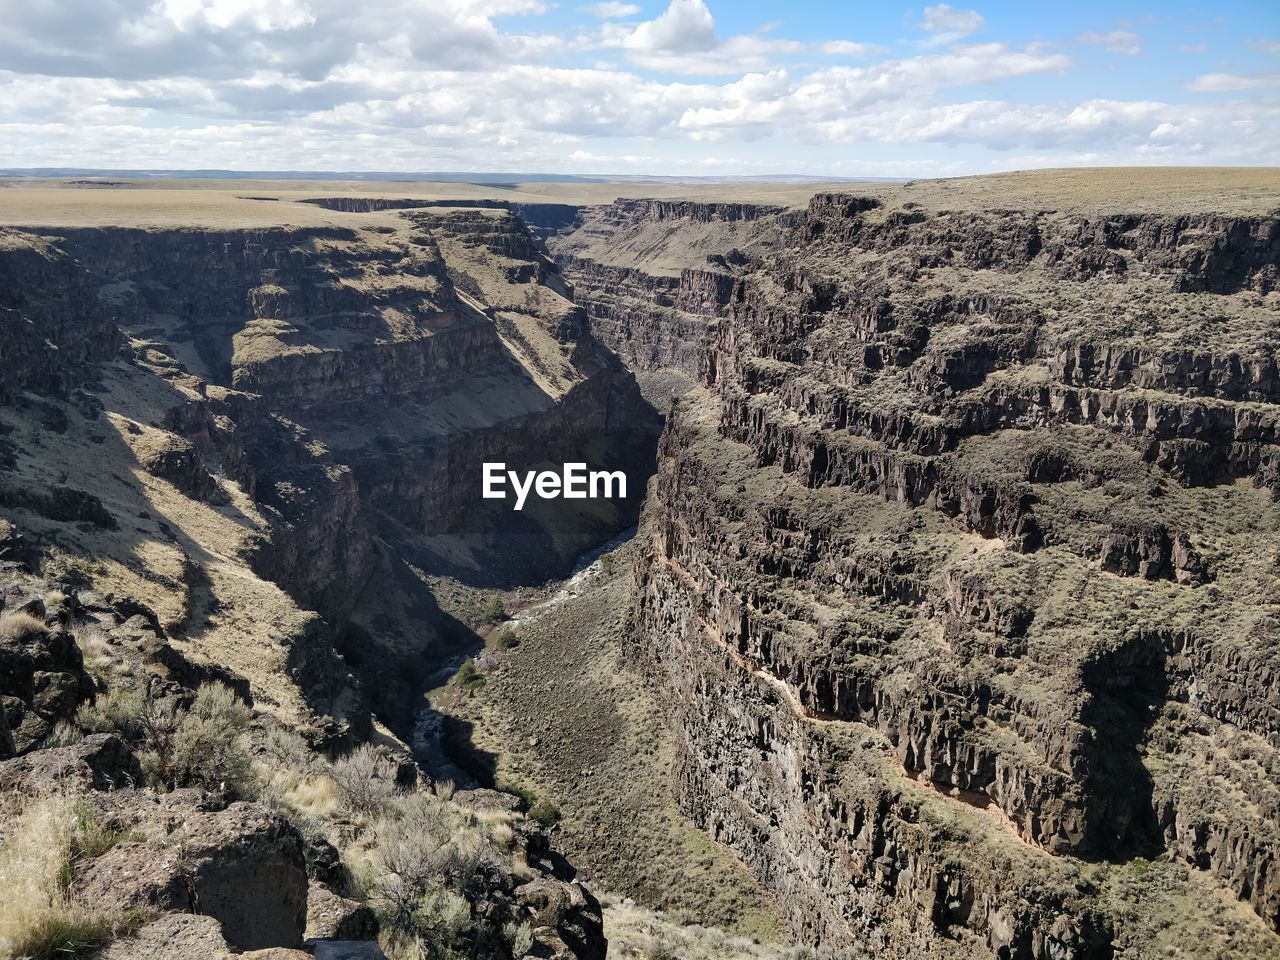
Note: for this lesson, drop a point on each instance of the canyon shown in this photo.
(949, 626)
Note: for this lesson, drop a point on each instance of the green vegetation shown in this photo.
(469, 678)
(538, 807)
(494, 610)
(505, 639)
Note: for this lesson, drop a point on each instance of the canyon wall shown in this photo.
(276, 423)
(961, 576)
(655, 275)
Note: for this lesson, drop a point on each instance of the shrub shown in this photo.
(519, 938)
(468, 677)
(201, 746)
(21, 626)
(430, 861)
(505, 639)
(494, 611)
(607, 563)
(540, 809)
(366, 780)
(119, 712)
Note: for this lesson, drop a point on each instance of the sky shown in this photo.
(679, 87)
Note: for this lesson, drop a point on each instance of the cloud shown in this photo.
(735, 56)
(850, 48)
(686, 26)
(946, 23)
(408, 85)
(611, 11)
(1232, 83)
(1117, 41)
(1192, 47)
(264, 16)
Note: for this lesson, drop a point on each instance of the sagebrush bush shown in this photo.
(494, 611)
(366, 780)
(429, 859)
(119, 711)
(204, 745)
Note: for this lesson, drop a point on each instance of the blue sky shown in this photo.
(680, 87)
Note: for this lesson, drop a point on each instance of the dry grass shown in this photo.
(641, 934)
(21, 626)
(39, 917)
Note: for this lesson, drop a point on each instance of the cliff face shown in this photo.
(264, 403)
(961, 574)
(655, 275)
(53, 325)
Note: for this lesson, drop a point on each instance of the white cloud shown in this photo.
(947, 23)
(850, 48)
(1232, 83)
(612, 10)
(1117, 41)
(411, 85)
(686, 26)
(263, 16)
(734, 56)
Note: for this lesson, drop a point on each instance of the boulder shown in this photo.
(42, 676)
(570, 911)
(178, 936)
(98, 762)
(242, 865)
(349, 950)
(331, 917)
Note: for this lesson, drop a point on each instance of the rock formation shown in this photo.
(961, 574)
(656, 275)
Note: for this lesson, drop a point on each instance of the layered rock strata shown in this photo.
(655, 275)
(962, 574)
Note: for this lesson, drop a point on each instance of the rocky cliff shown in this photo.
(961, 573)
(655, 275)
(310, 406)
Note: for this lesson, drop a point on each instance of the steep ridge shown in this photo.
(962, 577)
(656, 275)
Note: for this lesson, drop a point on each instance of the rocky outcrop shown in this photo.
(42, 675)
(654, 275)
(242, 865)
(174, 936)
(919, 570)
(100, 761)
(52, 325)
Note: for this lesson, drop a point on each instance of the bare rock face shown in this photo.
(331, 917)
(242, 865)
(100, 761)
(936, 571)
(655, 276)
(42, 676)
(566, 918)
(52, 326)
